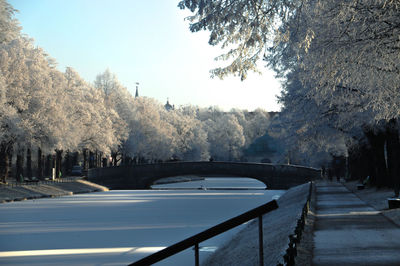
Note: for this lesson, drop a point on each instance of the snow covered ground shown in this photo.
(277, 226)
(376, 198)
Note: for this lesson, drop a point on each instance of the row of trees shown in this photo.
(339, 62)
(52, 119)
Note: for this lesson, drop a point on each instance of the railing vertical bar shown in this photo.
(196, 254)
(260, 240)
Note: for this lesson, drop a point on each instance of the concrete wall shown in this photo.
(143, 176)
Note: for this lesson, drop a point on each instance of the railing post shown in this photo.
(260, 240)
(196, 254)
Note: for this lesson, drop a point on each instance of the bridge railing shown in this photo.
(211, 232)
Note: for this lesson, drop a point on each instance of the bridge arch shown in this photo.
(214, 176)
(274, 176)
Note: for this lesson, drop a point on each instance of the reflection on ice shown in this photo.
(208, 249)
(35, 228)
(56, 252)
(275, 197)
(104, 201)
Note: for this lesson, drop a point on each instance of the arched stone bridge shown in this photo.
(274, 176)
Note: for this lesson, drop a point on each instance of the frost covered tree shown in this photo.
(344, 58)
(58, 112)
(30, 87)
(98, 132)
(107, 82)
(44, 109)
(346, 45)
(254, 123)
(117, 98)
(150, 137)
(241, 27)
(213, 113)
(353, 46)
(9, 26)
(190, 136)
(9, 131)
(308, 129)
(226, 138)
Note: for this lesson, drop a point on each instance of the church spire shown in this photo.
(137, 90)
(168, 106)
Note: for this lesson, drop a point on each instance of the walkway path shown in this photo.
(349, 232)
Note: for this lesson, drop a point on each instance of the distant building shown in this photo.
(168, 106)
(137, 90)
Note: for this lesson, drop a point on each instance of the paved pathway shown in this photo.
(349, 232)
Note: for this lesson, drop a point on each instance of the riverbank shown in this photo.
(47, 189)
(242, 249)
(65, 187)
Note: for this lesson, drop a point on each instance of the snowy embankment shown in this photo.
(242, 249)
(46, 190)
(376, 198)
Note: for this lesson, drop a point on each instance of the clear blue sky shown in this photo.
(145, 41)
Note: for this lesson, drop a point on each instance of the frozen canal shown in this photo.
(119, 227)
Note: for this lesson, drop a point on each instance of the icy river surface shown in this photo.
(121, 226)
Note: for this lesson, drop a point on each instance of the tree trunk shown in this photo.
(393, 155)
(122, 159)
(353, 169)
(19, 172)
(91, 159)
(359, 158)
(68, 163)
(377, 143)
(74, 158)
(40, 162)
(58, 163)
(97, 159)
(114, 158)
(29, 163)
(48, 166)
(4, 161)
(85, 160)
(10, 152)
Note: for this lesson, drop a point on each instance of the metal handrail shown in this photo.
(211, 232)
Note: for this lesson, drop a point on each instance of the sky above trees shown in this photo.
(141, 41)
